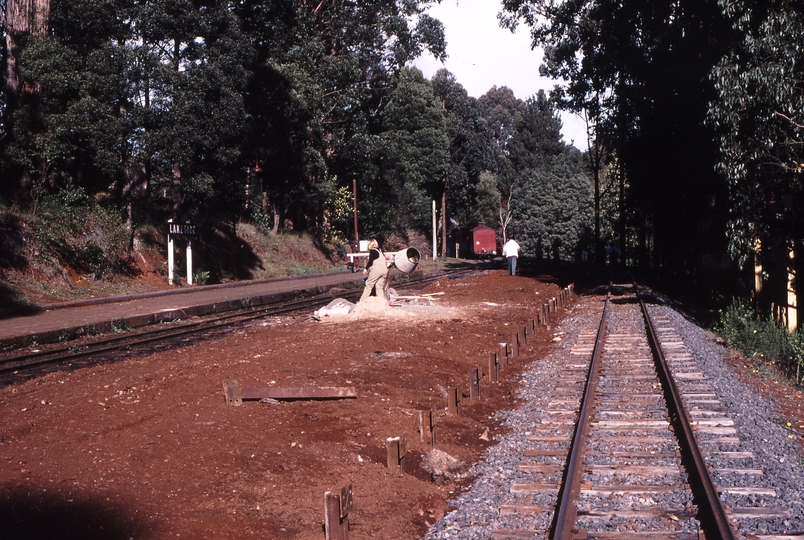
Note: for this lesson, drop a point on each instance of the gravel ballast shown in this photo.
(757, 421)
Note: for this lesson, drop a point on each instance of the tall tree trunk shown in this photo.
(177, 195)
(275, 211)
(22, 19)
(621, 196)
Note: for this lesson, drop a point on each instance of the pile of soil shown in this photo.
(148, 447)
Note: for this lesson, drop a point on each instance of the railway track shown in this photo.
(631, 442)
(17, 366)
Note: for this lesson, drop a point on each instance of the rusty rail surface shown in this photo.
(704, 490)
(710, 512)
(571, 487)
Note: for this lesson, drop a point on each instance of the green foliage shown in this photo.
(262, 220)
(759, 114)
(488, 200)
(321, 80)
(470, 152)
(547, 190)
(120, 326)
(638, 70)
(552, 209)
(761, 339)
(413, 165)
(81, 234)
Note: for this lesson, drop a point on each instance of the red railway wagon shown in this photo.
(475, 243)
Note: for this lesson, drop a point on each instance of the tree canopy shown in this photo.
(281, 112)
(640, 71)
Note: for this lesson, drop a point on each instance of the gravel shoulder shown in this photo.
(767, 415)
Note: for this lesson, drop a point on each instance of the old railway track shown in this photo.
(629, 443)
(15, 366)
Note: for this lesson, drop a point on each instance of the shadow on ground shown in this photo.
(10, 305)
(30, 513)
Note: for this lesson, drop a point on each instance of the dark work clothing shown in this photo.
(374, 254)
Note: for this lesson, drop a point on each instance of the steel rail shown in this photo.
(709, 504)
(130, 340)
(44, 357)
(565, 517)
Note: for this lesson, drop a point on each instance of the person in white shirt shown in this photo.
(511, 251)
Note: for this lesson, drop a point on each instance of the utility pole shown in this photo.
(435, 233)
(354, 205)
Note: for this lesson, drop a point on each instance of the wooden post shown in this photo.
(422, 424)
(494, 374)
(474, 383)
(433, 422)
(514, 346)
(504, 354)
(394, 454)
(453, 404)
(336, 514)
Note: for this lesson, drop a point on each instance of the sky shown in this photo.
(482, 55)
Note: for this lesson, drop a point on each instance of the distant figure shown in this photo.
(612, 253)
(376, 271)
(511, 251)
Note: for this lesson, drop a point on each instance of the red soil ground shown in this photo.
(148, 448)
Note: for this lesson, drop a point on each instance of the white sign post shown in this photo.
(170, 257)
(189, 251)
(188, 231)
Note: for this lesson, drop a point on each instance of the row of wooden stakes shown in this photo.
(337, 503)
(502, 358)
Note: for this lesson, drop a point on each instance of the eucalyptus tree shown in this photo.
(640, 68)
(759, 114)
(488, 201)
(323, 75)
(414, 158)
(189, 92)
(552, 208)
(551, 202)
(503, 112)
(22, 22)
(72, 135)
(536, 138)
(470, 153)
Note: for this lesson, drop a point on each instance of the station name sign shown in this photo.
(183, 229)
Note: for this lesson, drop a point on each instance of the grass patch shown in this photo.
(779, 354)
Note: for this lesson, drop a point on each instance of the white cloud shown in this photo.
(483, 55)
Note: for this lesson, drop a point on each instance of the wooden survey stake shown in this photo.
(493, 367)
(474, 383)
(453, 401)
(396, 450)
(336, 513)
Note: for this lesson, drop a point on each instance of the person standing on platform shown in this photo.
(375, 271)
(511, 252)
